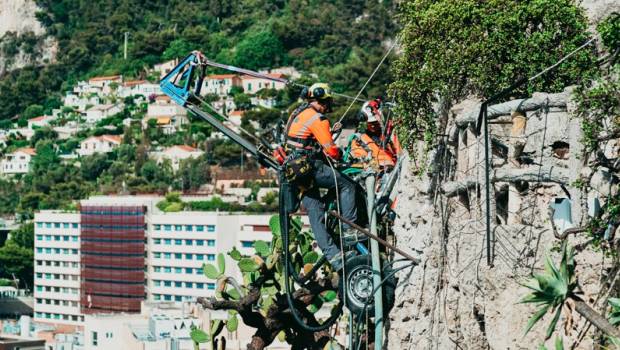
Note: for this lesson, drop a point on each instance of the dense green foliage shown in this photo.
(340, 40)
(17, 256)
(452, 50)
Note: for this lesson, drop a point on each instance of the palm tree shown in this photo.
(552, 289)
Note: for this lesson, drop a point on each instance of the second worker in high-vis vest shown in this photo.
(309, 141)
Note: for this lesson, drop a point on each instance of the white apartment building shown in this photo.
(99, 144)
(106, 84)
(57, 268)
(220, 84)
(176, 247)
(139, 87)
(252, 85)
(81, 102)
(100, 112)
(39, 122)
(165, 67)
(176, 154)
(18, 161)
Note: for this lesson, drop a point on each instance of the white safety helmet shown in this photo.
(371, 114)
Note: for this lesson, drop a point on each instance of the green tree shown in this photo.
(17, 261)
(451, 50)
(24, 236)
(260, 50)
(92, 166)
(177, 49)
(33, 111)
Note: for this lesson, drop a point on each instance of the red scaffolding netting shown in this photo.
(112, 258)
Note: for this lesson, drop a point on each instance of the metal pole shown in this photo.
(125, 46)
(375, 237)
(487, 170)
(376, 262)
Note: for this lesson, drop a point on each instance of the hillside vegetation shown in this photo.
(339, 40)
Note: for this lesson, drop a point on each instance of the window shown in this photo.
(178, 242)
(94, 340)
(210, 286)
(211, 242)
(57, 238)
(167, 227)
(48, 224)
(39, 224)
(156, 297)
(167, 269)
(74, 238)
(65, 238)
(199, 271)
(178, 256)
(74, 225)
(65, 225)
(156, 283)
(178, 270)
(39, 237)
(39, 250)
(210, 228)
(167, 284)
(188, 256)
(189, 285)
(247, 244)
(178, 284)
(157, 255)
(167, 241)
(188, 227)
(200, 257)
(157, 227)
(200, 228)
(167, 297)
(178, 298)
(178, 227)
(188, 242)
(157, 269)
(48, 237)
(157, 241)
(211, 257)
(167, 255)
(57, 225)
(200, 242)
(189, 270)
(200, 285)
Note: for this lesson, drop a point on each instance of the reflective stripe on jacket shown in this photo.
(310, 124)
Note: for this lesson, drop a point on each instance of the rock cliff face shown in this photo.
(23, 40)
(454, 299)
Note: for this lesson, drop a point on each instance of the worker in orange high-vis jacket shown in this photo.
(374, 146)
(309, 143)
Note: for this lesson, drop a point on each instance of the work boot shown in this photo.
(337, 261)
(351, 236)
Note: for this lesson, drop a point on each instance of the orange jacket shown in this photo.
(360, 147)
(312, 125)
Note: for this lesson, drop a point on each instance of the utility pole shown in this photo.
(125, 46)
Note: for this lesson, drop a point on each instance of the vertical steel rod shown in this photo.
(376, 262)
(487, 170)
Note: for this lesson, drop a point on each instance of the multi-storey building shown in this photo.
(57, 267)
(119, 251)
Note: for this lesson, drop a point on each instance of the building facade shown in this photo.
(119, 251)
(17, 162)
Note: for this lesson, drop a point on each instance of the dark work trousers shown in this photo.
(324, 178)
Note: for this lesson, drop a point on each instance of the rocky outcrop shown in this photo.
(23, 40)
(454, 299)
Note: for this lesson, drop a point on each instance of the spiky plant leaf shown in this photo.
(614, 315)
(274, 225)
(311, 257)
(262, 248)
(235, 254)
(221, 263)
(536, 317)
(553, 323)
(559, 343)
(216, 328)
(211, 271)
(233, 322)
(248, 265)
(233, 294)
(199, 336)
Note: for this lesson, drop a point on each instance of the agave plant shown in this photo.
(552, 290)
(559, 345)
